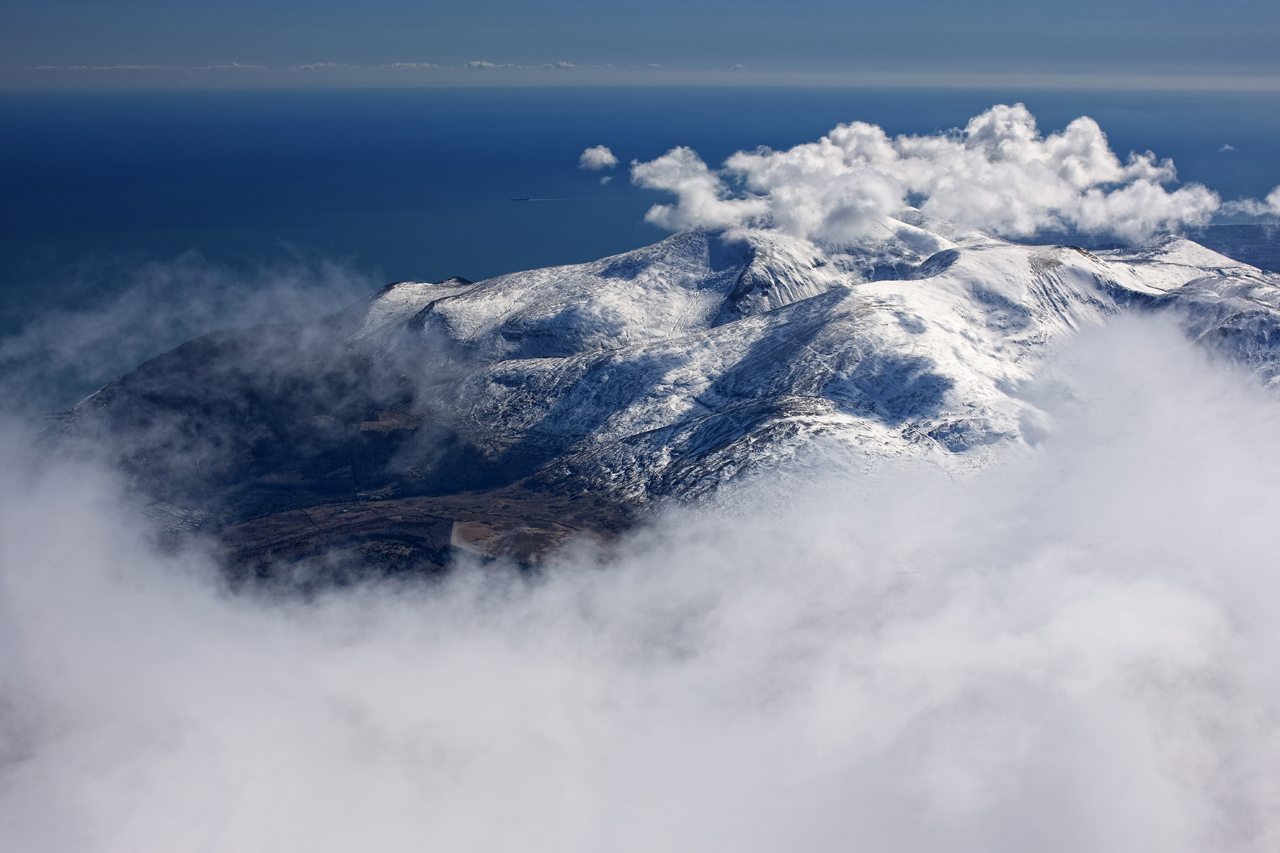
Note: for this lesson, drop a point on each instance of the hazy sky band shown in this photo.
(492, 75)
(1234, 39)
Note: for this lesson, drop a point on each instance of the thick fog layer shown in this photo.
(1074, 651)
(999, 175)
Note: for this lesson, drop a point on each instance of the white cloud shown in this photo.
(999, 175)
(1226, 147)
(1268, 207)
(599, 157)
(704, 198)
(1084, 638)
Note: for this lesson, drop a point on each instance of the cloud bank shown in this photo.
(1073, 652)
(999, 175)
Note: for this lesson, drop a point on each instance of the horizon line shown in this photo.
(480, 74)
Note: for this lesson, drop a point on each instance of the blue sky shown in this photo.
(1184, 38)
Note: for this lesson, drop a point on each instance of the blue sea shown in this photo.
(417, 184)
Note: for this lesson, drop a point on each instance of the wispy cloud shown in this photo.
(1268, 208)
(131, 311)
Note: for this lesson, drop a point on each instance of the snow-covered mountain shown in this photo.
(659, 373)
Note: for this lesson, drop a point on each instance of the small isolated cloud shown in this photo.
(599, 157)
(1227, 147)
(606, 179)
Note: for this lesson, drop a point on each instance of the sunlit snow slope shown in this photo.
(666, 370)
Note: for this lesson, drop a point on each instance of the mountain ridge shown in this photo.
(655, 375)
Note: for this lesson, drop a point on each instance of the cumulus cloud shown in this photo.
(599, 157)
(998, 175)
(1074, 652)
